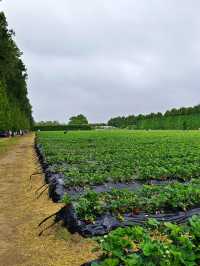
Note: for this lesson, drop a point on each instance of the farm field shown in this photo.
(167, 166)
(89, 158)
(93, 158)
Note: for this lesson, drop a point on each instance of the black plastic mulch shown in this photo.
(105, 223)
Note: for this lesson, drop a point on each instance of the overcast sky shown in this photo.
(105, 58)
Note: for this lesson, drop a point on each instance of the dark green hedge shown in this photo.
(62, 127)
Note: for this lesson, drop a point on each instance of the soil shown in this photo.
(21, 211)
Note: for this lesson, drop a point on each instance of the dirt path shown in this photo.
(20, 213)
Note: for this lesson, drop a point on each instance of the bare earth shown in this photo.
(21, 212)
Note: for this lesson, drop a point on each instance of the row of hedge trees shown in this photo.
(62, 127)
(183, 118)
(15, 108)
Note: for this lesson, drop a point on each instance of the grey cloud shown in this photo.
(105, 57)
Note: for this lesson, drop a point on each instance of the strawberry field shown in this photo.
(96, 157)
(145, 183)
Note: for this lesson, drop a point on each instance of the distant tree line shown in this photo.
(78, 122)
(15, 108)
(182, 118)
(61, 127)
(47, 123)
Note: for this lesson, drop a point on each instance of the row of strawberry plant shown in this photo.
(157, 244)
(152, 199)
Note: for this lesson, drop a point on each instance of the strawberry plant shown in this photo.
(158, 244)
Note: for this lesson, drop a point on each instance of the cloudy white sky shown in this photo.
(105, 58)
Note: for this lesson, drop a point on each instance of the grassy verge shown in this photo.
(6, 143)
